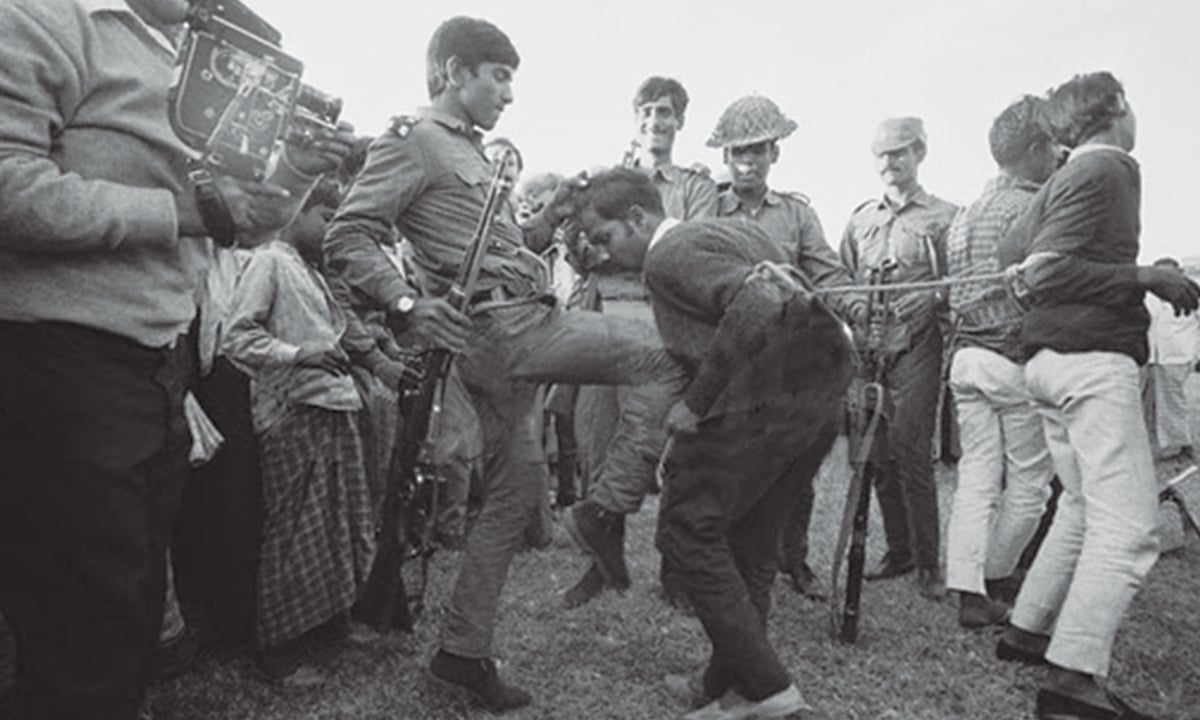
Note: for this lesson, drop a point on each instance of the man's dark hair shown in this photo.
(612, 192)
(1084, 106)
(655, 87)
(473, 41)
(1021, 126)
(1168, 262)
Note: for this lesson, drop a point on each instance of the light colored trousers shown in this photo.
(1003, 475)
(1101, 544)
(1165, 399)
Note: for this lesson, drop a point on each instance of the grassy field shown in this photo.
(607, 659)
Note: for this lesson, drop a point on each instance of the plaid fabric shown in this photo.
(318, 536)
(987, 317)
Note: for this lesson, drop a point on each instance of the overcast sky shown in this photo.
(838, 68)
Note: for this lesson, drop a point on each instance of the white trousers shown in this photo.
(1101, 544)
(1003, 475)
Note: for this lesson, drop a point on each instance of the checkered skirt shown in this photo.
(318, 541)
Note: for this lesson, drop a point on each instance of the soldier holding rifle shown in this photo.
(430, 177)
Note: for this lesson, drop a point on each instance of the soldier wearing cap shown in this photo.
(906, 226)
(748, 134)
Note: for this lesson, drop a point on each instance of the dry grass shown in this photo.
(606, 660)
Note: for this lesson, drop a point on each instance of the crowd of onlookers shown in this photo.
(199, 439)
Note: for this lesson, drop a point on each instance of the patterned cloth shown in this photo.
(988, 317)
(318, 537)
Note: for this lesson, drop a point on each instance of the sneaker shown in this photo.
(601, 534)
(479, 678)
(732, 706)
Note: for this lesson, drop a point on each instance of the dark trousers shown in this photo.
(215, 551)
(906, 489)
(730, 488)
(93, 446)
(795, 531)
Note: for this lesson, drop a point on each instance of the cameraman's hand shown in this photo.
(324, 153)
(438, 325)
(257, 209)
(323, 357)
(1171, 285)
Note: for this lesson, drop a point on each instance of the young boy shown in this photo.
(285, 330)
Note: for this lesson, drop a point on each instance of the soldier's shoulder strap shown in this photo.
(870, 202)
(797, 196)
(402, 125)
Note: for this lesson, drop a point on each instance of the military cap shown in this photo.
(897, 133)
(749, 120)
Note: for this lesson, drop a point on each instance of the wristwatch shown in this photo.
(405, 305)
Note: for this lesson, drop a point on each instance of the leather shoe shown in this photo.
(929, 584)
(976, 611)
(804, 581)
(1011, 653)
(588, 587)
(479, 678)
(601, 534)
(1055, 706)
(889, 567)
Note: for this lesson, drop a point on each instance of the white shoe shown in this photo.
(730, 706)
(781, 704)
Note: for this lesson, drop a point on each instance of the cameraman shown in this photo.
(101, 250)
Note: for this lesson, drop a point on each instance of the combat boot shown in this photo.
(601, 534)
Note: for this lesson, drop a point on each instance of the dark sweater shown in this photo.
(1079, 241)
(709, 317)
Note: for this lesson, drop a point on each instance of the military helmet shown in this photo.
(749, 120)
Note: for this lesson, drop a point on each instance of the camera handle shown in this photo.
(211, 204)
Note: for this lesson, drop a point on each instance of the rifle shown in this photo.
(869, 410)
(410, 507)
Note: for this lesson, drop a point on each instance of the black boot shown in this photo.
(588, 587)
(478, 677)
(601, 534)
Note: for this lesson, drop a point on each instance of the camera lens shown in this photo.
(324, 105)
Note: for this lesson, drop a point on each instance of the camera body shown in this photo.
(237, 94)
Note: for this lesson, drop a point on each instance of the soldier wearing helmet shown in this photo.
(748, 134)
(907, 226)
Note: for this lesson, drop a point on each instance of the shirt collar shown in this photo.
(670, 173)
(1096, 147)
(120, 7)
(661, 230)
(452, 123)
(729, 201)
(920, 197)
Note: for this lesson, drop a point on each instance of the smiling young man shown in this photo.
(429, 177)
(907, 226)
(748, 134)
(767, 366)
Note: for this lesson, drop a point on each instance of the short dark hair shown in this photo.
(612, 192)
(655, 87)
(1084, 106)
(1019, 127)
(471, 40)
(1169, 261)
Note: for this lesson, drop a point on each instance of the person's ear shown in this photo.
(455, 72)
(635, 215)
(774, 152)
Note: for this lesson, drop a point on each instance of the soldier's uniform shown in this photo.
(914, 237)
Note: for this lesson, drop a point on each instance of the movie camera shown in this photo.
(237, 94)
